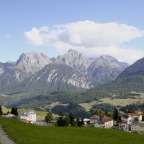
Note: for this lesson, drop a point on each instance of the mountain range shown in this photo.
(128, 81)
(71, 71)
(135, 69)
(35, 80)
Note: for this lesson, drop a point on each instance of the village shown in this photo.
(127, 122)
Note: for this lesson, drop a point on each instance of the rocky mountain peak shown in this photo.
(72, 54)
(75, 60)
(106, 68)
(72, 51)
(32, 62)
(107, 58)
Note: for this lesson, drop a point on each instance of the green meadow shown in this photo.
(22, 133)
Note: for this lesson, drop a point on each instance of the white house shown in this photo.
(104, 122)
(135, 117)
(137, 127)
(130, 117)
(85, 120)
(126, 119)
(30, 116)
(108, 122)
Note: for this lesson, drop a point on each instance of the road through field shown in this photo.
(4, 138)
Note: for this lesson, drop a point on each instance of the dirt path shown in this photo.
(4, 138)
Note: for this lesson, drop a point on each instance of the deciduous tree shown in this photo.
(72, 121)
(49, 117)
(63, 121)
(98, 112)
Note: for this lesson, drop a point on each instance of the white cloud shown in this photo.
(34, 37)
(91, 38)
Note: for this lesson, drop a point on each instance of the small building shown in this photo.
(94, 119)
(29, 116)
(32, 116)
(86, 121)
(126, 119)
(124, 126)
(135, 117)
(137, 127)
(9, 115)
(130, 117)
(99, 125)
(104, 122)
(108, 122)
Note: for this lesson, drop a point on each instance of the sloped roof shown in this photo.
(25, 121)
(95, 117)
(106, 119)
(133, 114)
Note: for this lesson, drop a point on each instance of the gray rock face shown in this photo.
(106, 68)
(26, 66)
(32, 62)
(4, 67)
(1, 68)
(56, 76)
(136, 68)
(75, 60)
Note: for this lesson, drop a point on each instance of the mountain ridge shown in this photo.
(135, 68)
(85, 76)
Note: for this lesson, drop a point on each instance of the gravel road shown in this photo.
(4, 138)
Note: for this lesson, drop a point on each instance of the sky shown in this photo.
(91, 27)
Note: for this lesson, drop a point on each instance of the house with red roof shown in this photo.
(107, 121)
(130, 117)
(94, 119)
(135, 116)
(28, 116)
(101, 121)
(25, 121)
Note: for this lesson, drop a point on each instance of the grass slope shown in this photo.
(23, 133)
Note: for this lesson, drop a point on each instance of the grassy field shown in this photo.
(121, 102)
(88, 106)
(124, 102)
(22, 133)
(114, 101)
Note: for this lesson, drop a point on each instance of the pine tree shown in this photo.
(1, 113)
(115, 114)
(14, 111)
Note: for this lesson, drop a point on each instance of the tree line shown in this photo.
(13, 111)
